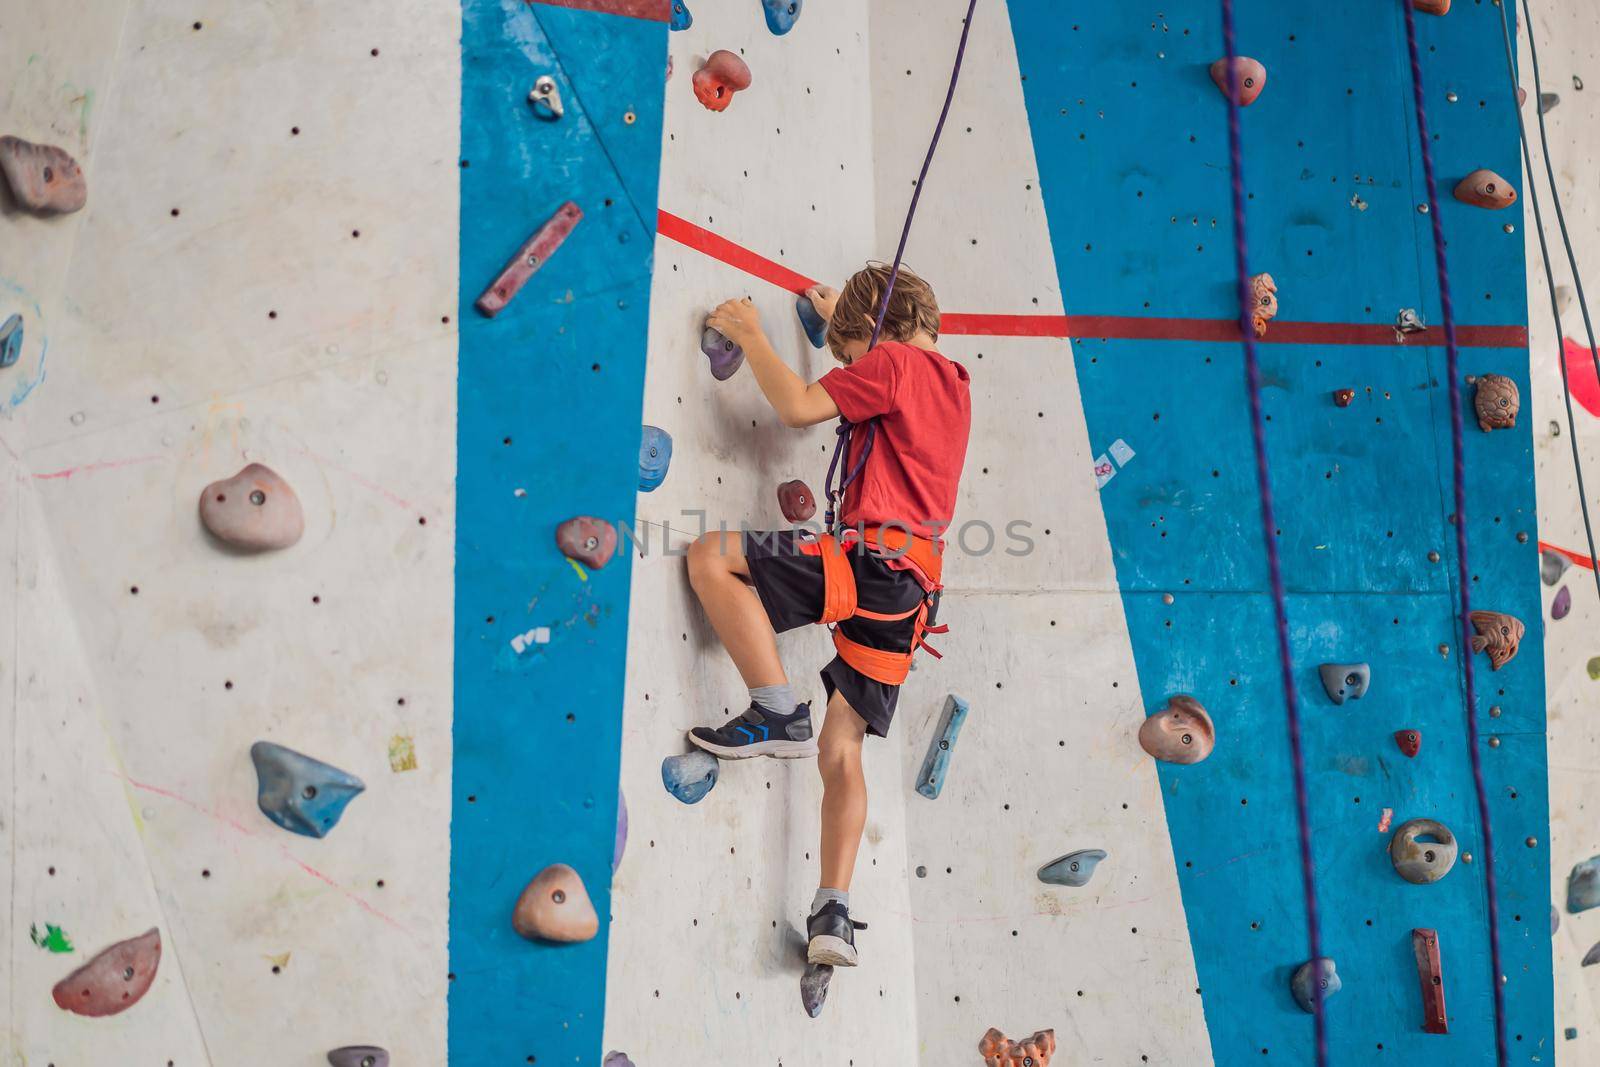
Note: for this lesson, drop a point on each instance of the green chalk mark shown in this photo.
(54, 938)
(1594, 668)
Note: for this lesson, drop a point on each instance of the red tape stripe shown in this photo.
(653, 10)
(1110, 327)
(1580, 558)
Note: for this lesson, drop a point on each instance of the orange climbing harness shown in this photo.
(924, 554)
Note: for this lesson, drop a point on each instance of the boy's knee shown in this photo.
(705, 555)
(838, 756)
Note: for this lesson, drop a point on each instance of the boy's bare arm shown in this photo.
(796, 403)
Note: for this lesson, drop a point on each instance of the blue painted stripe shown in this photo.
(1131, 144)
(549, 400)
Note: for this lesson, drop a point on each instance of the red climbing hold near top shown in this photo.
(529, 258)
(1410, 742)
(722, 75)
(1252, 77)
(1434, 7)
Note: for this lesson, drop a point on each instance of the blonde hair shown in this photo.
(913, 309)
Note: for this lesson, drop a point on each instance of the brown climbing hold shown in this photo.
(796, 501)
(588, 540)
(1410, 742)
(1343, 397)
(43, 178)
(1497, 401)
(1485, 188)
(113, 981)
(723, 75)
(1434, 7)
(1263, 302)
(1251, 75)
(1430, 972)
(254, 510)
(1179, 733)
(1499, 635)
(1033, 1051)
(555, 907)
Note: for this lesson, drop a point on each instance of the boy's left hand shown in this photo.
(737, 320)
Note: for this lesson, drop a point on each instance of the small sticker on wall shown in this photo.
(1103, 471)
(539, 635)
(1120, 452)
(402, 754)
(1110, 461)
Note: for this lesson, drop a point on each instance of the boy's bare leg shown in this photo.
(719, 574)
(844, 792)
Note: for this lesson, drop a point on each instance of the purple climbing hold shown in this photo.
(617, 1059)
(782, 14)
(681, 19)
(1561, 604)
(622, 832)
(11, 341)
(359, 1056)
(815, 325)
(725, 356)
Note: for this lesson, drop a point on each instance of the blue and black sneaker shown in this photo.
(759, 732)
(831, 936)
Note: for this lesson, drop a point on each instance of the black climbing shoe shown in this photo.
(758, 732)
(832, 936)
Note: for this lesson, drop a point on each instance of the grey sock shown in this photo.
(825, 895)
(778, 699)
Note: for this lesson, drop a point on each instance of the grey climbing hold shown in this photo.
(11, 341)
(1552, 565)
(1592, 957)
(814, 987)
(1562, 604)
(1555, 919)
(1408, 321)
(1073, 869)
(814, 324)
(617, 1059)
(691, 776)
(655, 456)
(1308, 976)
(1345, 681)
(44, 179)
(546, 98)
(1548, 102)
(301, 794)
(930, 779)
(1583, 886)
(1423, 851)
(359, 1056)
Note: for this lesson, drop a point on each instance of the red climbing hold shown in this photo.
(114, 980)
(1263, 302)
(1181, 732)
(1485, 188)
(1499, 635)
(796, 501)
(1581, 375)
(1252, 77)
(1035, 1050)
(529, 258)
(588, 540)
(723, 75)
(1434, 7)
(1410, 742)
(43, 178)
(1425, 944)
(1343, 397)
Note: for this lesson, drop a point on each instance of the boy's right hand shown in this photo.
(823, 298)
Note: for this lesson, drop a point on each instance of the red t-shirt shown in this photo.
(924, 412)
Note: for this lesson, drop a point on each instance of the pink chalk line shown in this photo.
(91, 468)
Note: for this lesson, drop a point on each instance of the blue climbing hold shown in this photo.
(816, 326)
(11, 341)
(689, 777)
(782, 14)
(681, 19)
(300, 794)
(1073, 869)
(1583, 886)
(655, 456)
(930, 780)
(1308, 976)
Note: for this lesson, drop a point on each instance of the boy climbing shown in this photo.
(878, 580)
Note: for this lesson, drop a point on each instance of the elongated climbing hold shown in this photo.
(814, 987)
(114, 980)
(936, 764)
(621, 844)
(11, 341)
(303, 795)
(588, 540)
(811, 321)
(1562, 604)
(1591, 957)
(681, 19)
(1486, 189)
(1181, 732)
(1552, 565)
(535, 253)
(1308, 976)
(782, 14)
(1430, 973)
(1499, 635)
(1073, 869)
(359, 1056)
(1583, 886)
(1496, 400)
(1345, 681)
(796, 500)
(722, 75)
(1263, 302)
(255, 510)
(1252, 77)
(725, 356)
(1423, 851)
(1034, 1050)
(691, 776)
(556, 907)
(1410, 742)
(655, 456)
(44, 179)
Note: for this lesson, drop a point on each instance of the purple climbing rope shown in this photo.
(1269, 528)
(846, 427)
(1457, 448)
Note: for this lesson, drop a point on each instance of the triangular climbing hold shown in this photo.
(1250, 74)
(556, 907)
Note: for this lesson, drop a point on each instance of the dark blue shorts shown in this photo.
(790, 585)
